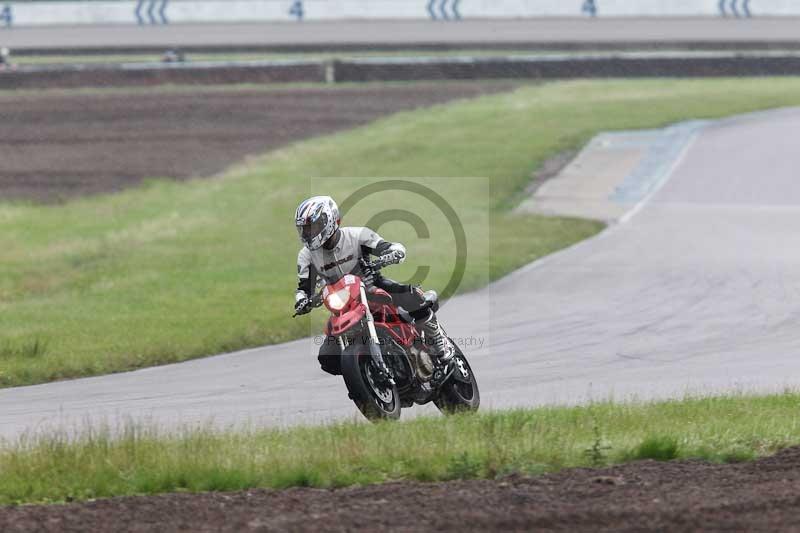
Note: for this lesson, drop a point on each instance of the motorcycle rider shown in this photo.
(331, 252)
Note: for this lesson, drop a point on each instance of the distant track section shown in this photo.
(544, 34)
(422, 47)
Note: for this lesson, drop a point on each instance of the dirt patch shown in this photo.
(676, 496)
(112, 75)
(549, 169)
(56, 146)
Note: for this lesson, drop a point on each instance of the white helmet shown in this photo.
(317, 219)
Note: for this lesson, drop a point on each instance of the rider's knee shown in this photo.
(427, 306)
(421, 315)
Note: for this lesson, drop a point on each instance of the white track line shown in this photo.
(624, 219)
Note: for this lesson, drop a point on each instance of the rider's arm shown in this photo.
(375, 244)
(385, 247)
(306, 276)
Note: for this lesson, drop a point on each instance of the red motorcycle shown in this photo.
(385, 362)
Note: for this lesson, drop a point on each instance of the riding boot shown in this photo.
(436, 342)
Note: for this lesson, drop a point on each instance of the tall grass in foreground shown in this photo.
(141, 460)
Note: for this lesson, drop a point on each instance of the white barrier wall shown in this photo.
(41, 13)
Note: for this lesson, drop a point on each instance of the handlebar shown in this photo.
(375, 266)
(314, 302)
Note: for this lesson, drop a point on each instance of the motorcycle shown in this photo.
(385, 360)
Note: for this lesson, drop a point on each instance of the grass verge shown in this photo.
(138, 460)
(173, 271)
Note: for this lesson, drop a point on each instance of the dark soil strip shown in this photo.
(55, 146)
(410, 69)
(72, 76)
(676, 496)
(567, 68)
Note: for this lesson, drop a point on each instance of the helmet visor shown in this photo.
(310, 231)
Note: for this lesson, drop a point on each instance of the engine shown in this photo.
(423, 365)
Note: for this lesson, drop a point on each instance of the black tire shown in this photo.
(459, 395)
(374, 402)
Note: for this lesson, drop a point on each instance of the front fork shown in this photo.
(374, 343)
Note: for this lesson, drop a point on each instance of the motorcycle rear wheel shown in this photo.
(376, 401)
(459, 394)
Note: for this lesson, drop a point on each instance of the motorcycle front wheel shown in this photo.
(375, 400)
(460, 392)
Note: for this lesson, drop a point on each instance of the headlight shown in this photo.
(337, 300)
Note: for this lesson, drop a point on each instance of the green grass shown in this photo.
(137, 460)
(173, 271)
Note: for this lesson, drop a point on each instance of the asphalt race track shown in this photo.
(496, 33)
(696, 291)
